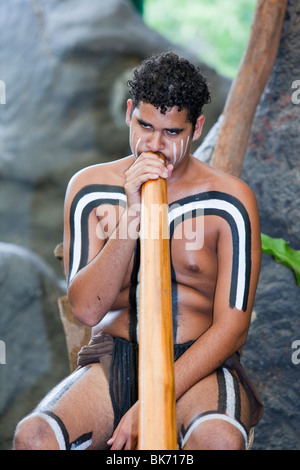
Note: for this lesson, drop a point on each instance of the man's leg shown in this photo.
(76, 414)
(214, 414)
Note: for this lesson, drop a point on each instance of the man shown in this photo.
(214, 278)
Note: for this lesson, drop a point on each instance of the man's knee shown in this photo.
(34, 433)
(215, 435)
(226, 440)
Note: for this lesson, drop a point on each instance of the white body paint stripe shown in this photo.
(82, 446)
(55, 428)
(56, 392)
(230, 393)
(210, 417)
(82, 203)
(179, 211)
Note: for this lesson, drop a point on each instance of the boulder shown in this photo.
(35, 349)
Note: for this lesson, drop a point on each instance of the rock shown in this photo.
(267, 356)
(30, 327)
(272, 170)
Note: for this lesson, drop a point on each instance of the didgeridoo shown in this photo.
(157, 422)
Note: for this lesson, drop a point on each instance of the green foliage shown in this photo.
(139, 5)
(282, 253)
(216, 30)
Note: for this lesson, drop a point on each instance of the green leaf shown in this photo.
(282, 252)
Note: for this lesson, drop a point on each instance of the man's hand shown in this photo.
(125, 436)
(147, 167)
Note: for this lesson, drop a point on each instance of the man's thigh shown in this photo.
(79, 410)
(213, 412)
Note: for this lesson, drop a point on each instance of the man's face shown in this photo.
(170, 133)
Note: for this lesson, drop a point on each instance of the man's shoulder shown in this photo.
(107, 173)
(230, 185)
(224, 186)
(234, 186)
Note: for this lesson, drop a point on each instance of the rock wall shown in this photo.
(272, 170)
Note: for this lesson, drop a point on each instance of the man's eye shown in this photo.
(173, 133)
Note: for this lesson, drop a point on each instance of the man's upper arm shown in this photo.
(239, 255)
(84, 235)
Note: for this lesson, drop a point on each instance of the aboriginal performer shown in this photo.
(215, 253)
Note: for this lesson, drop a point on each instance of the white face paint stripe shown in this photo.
(55, 428)
(181, 151)
(131, 139)
(174, 153)
(186, 146)
(136, 149)
(217, 416)
(223, 205)
(82, 203)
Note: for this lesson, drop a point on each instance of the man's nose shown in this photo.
(156, 142)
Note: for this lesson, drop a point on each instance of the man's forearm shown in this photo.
(208, 352)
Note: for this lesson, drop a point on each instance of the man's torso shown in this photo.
(195, 225)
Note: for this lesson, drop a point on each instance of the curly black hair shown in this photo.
(166, 80)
